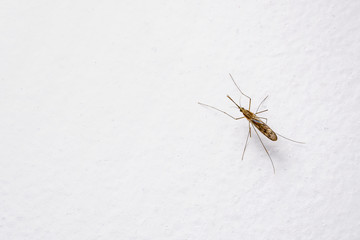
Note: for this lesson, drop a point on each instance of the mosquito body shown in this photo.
(257, 122)
(254, 121)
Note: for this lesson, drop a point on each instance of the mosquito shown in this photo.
(255, 121)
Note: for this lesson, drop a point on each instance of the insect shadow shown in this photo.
(255, 122)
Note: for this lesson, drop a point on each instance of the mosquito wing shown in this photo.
(264, 129)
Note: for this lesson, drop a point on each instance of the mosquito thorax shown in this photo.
(247, 113)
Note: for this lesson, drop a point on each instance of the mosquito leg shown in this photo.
(261, 111)
(221, 111)
(260, 104)
(265, 149)
(241, 91)
(249, 129)
(242, 158)
(290, 139)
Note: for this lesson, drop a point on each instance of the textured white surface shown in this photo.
(102, 136)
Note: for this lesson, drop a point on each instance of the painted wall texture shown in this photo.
(102, 136)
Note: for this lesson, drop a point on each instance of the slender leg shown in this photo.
(241, 91)
(242, 158)
(261, 111)
(249, 129)
(290, 139)
(221, 111)
(260, 104)
(265, 149)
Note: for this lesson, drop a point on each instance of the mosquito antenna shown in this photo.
(264, 148)
(261, 103)
(290, 139)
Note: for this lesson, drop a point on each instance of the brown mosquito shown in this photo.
(254, 121)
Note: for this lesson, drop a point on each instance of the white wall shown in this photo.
(102, 136)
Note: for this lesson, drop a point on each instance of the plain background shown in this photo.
(102, 136)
